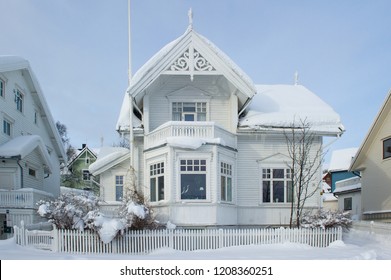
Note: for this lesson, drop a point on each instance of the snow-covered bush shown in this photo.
(326, 219)
(69, 210)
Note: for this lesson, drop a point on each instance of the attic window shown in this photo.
(387, 148)
(189, 111)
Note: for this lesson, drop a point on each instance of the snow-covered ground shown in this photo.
(356, 245)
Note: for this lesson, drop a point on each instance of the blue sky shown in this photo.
(79, 52)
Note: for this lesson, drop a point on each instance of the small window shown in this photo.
(387, 148)
(189, 111)
(7, 126)
(347, 203)
(86, 175)
(119, 187)
(2, 88)
(32, 172)
(19, 100)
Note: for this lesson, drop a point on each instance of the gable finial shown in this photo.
(190, 15)
(296, 78)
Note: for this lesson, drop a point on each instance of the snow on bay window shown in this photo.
(276, 185)
(119, 187)
(156, 172)
(193, 178)
(189, 111)
(226, 181)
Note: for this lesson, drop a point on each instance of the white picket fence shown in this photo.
(146, 241)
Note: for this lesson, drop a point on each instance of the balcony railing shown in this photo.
(23, 198)
(202, 130)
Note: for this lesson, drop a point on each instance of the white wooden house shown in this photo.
(31, 150)
(207, 144)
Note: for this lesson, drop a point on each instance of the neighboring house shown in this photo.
(31, 150)
(207, 145)
(339, 166)
(373, 160)
(348, 192)
(329, 201)
(77, 174)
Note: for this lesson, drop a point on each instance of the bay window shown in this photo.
(193, 178)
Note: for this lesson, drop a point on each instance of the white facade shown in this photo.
(205, 141)
(31, 150)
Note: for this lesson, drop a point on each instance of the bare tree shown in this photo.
(306, 158)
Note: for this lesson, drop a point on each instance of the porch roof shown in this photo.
(22, 146)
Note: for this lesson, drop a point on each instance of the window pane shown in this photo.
(201, 117)
(347, 203)
(189, 107)
(153, 189)
(161, 188)
(278, 173)
(118, 192)
(278, 191)
(387, 148)
(229, 189)
(266, 191)
(193, 186)
(223, 189)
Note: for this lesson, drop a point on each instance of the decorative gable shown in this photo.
(189, 62)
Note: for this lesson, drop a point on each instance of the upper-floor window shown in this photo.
(226, 181)
(86, 175)
(276, 185)
(193, 178)
(7, 127)
(156, 172)
(2, 88)
(387, 148)
(189, 111)
(19, 100)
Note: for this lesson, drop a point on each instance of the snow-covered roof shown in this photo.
(342, 159)
(22, 146)
(279, 106)
(108, 157)
(123, 122)
(13, 63)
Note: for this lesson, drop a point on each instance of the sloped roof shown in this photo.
(79, 153)
(107, 158)
(168, 55)
(279, 106)
(13, 63)
(385, 110)
(342, 159)
(22, 146)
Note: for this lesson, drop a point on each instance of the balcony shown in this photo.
(209, 132)
(23, 198)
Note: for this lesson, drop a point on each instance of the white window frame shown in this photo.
(117, 185)
(19, 100)
(2, 87)
(267, 175)
(157, 172)
(226, 175)
(194, 156)
(200, 107)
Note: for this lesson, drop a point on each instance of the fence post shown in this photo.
(23, 239)
(171, 238)
(55, 239)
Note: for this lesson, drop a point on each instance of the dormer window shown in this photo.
(189, 111)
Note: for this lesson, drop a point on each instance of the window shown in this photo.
(226, 181)
(35, 117)
(2, 88)
(156, 181)
(7, 127)
(276, 185)
(19, 100)
(193, 179)
(387, 148)
(189, 111)
(86, 175)
(119, 187)
(347, 203)
(32, 172)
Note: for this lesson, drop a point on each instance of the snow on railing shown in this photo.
(200, 130)
(145, 241)
(23, 198)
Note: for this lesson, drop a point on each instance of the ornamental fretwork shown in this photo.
(191, 60)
